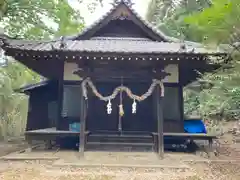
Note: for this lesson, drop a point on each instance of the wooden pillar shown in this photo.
(83, 115)
(160, 120)
(181, 106)
(180, 96)
(60, 85)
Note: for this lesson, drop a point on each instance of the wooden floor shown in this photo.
(53, 130)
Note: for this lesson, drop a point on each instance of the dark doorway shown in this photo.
(97, 117)
(143, 120)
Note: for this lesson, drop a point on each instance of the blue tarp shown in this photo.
(74, 127)
(194, 126)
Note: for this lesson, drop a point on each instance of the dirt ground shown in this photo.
(225, 166)
(9, 146)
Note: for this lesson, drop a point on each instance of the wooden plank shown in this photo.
(193, 135)
(196, 135)
(52, 131)
(120, 136)
(120, 143)
(160, 120)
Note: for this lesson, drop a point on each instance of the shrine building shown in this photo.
(120, 81)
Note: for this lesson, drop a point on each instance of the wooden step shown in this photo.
(120, 132)
(116, 146)
(119, 139)
(122, 144)
(120, 136)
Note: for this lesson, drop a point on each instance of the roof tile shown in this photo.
(114, 45)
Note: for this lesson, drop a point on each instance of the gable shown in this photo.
(121, 28)
(122, 21)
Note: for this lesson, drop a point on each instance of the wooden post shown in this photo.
(82, 125)
(210, 148)
(160, 120)
(180, 96)
(60, 95)
(181, 106)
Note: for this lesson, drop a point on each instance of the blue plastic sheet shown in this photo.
(74, 127)
(194, 126)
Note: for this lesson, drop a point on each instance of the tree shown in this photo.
(169, 16)
(220, 24)
(27, 19)
(215, 24)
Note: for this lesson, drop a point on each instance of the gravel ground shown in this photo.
(199, 170)
(43, 170)
(27, 171)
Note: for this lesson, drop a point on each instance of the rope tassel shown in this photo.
(134, 107)
(109, 107)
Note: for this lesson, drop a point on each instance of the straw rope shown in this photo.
(121, 88)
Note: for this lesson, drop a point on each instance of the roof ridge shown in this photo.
(120, 38)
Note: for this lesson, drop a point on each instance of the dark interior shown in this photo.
(98, 119)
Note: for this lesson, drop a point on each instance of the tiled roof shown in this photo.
(110, 45)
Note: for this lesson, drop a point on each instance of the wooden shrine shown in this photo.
(121, 78)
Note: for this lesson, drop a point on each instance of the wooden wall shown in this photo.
(144, 120)
(38, 111)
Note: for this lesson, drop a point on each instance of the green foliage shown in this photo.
(29, 19)
(218, 23)
(35, 19)
(13, 106)
(169, 17)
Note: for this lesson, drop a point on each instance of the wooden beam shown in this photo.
(83, 115)
(160, 120)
